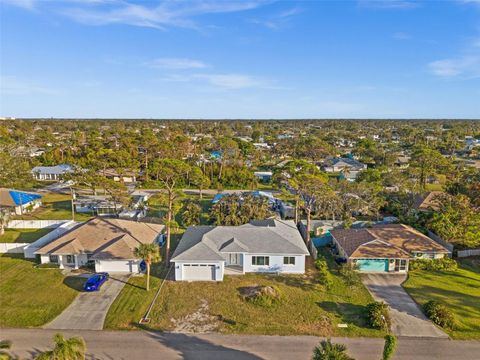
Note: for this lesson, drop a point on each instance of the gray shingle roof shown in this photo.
(58, 169)
(258, 237)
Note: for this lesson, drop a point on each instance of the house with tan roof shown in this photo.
(108, 243)
(429, 201)
(385, 248)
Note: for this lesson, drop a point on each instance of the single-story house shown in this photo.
(54, 173)
(98, 205)
(126, 176)
(209, 252)
(347, 166)
(19, 202)
(264, 176)
(428, 201)
(385, 248)
(109, 243)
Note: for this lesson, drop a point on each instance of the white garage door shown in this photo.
(198, 272)
(116, 266)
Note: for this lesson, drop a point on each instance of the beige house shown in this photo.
(385, 248)
(109, 243)
(19, 202)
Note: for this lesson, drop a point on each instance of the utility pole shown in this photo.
(73, 207)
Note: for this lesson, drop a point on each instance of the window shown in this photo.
(260, 260)
(70, 259)
(289, 260)
(54, 258)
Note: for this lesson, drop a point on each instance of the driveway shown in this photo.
(89, 309)
(407, 318)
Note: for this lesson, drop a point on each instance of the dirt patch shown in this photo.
(198, 322)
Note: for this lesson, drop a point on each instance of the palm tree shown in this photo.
(150, 253)
(5, 345)
(4, 220)
(329, 351)
(65, 349)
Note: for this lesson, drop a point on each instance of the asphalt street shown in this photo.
(147, 345)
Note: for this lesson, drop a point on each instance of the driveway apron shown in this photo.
(407, 318)
(89, 309)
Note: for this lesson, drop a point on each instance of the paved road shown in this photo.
(168, 346)
(89, 309)
(407, 318)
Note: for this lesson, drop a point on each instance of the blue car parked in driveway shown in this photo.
(95, 281)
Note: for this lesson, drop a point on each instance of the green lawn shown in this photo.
(459, 290)
(306, 308)
(31, 297)
(54, 207)
(23, 235)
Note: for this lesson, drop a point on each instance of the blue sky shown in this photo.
(240, 59)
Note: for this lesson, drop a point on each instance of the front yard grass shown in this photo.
(306, 308)
(54, 207)
(458, 290)
(31, 297)
(23, 235)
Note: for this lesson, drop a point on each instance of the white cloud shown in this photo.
(231, 81)
(11, 85)
(466, 66)
(176, 63)
(24, 4)
(400, 35)
(278, 20)
(165, 14)
(388, 4)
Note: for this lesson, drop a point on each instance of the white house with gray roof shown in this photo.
(53, 173)
(209, 252)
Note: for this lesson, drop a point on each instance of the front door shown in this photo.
(234, 259)
(400, 265)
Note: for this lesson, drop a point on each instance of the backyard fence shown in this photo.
(12, 248)
(442, 242)
(466, 253)
(35, 224)
(29, 251)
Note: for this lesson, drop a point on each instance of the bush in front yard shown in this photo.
(434, 264)
(389, 347)
(378, 316)
(350, 275)
(324, 276)
(439, 314)
(47, 266)
(264, 296)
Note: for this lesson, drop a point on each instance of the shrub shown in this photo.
(329, 351)
(434, 264)
(349, 274)
(48, 266)
(390, 346)
(378, 316)
(264, 296)
(324, 276)
(439, 314)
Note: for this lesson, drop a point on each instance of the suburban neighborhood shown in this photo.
(239, 180)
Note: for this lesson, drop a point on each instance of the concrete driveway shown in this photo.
(89, 309)
(407, 318)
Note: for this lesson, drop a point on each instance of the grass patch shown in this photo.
(306, 308)
(459, 290)
(32, 297)
(23, 235)
(54, 207)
